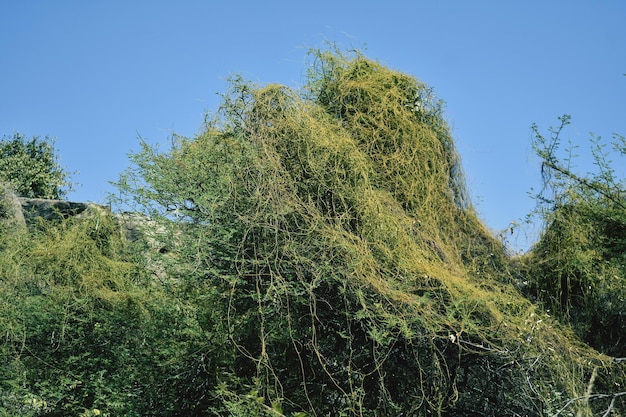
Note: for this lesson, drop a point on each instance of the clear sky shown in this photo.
(98, 74)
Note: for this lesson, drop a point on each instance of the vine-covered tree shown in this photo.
(309, 253)
(338, 266)
(30, 166)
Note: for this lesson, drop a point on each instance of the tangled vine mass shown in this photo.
(321, 256)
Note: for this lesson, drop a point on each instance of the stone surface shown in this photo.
(11, 215)
(33, 208)
(19, 212)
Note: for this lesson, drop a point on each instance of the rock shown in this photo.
(153, 238)
(33, 208)
(139, 227)
(19, 212)
(50, 210)
(11, 215)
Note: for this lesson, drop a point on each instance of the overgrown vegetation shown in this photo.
(310, 253)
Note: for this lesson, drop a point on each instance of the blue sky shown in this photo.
(98, 74)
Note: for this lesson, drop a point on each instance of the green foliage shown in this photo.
(578, 268)
(85, 333)
(30, 166)
(337, 265)
(309, 253)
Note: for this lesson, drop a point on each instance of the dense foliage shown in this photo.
(31, 168)
(578, 268)
(310, 253)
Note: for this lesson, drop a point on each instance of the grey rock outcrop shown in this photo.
(153, 238)
(137, 227)
(150, 237)
(33, 208)
(19, 212)
(11, 215)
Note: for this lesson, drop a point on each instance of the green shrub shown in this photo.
(309, 253)
(85, 332)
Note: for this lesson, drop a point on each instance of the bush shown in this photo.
(85, 332)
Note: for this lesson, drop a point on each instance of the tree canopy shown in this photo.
(578, 267)
(31, 168)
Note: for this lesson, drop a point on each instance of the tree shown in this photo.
(31, 167)
(578, 267)
(336, 266)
